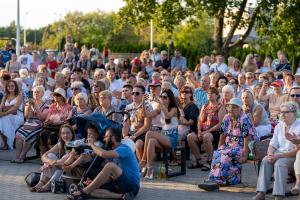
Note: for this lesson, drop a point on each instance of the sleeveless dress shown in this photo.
(10, 123)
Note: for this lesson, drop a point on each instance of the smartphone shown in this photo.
(30, 95)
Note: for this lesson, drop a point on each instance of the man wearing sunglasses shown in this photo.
(137, 126)
(295, 96)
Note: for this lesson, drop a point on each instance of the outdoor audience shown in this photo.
(225, 107)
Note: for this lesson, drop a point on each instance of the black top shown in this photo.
(164, 63)
(191, 111)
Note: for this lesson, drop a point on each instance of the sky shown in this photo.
(39, 13)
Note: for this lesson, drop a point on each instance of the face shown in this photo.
(164, 99)
(104, 101)
(124, 75)
(222, 83)
(93, 134)
(163, 56)
(288, 79)
(277, 89)
(212, 96)
(126, 92)
(14, 57)
(111, 75)
(137, 95)
(247, 98)
(227, 95)
(186, 93)
(11, 87)
(96, 88)
(155, 78)
(205, 81)
(233, 111)
(295, 95)
(57, 98)
(233, 84)
(37, 94)
(80, 101)
(108, 139)
(75, 90)
(40, 81)
(297, 79)
(287, 115)
(66, 134)
(74, 77)
(249, 78)
(241, 79)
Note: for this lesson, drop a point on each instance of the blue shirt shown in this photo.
(178, 63)
(128, 163)
(200, 97)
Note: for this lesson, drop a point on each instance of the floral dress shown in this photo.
(225, 167)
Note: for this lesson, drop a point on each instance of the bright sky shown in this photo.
(39, 13)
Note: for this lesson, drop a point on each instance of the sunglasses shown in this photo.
(295, 95)
(232, 83)
(135, 93)
(285, 112)
(185, 92)
(75, 88)
(95, 86)
(163, 96)
(248, 77)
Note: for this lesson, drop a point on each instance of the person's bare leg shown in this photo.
(148, 135)
(208, 145)
(139, 147)
(192, 140)
(83, 158)
(105, 194)
(26, 147)
(19, 147)
(4, 140)
(110, 172)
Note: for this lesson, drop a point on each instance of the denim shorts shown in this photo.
(172, 134)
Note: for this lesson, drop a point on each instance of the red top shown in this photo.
(209, 116)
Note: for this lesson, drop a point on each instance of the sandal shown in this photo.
(195, 165)
(37, 186)
(82, 196)
(206, 166)
(127, 196)
(142, 164)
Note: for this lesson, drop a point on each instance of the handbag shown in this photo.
(32, 179)
(260, 149)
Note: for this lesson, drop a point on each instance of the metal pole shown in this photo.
(24, 36)
(151, 34)
(18, 29)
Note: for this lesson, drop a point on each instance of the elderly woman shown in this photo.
(13, 65)
(80, 108)
(209, 122)
(11, 114)
(97, 87)
(227, 94)
(58, 113)
(105, 106)
(273, 100)
(35, 113)
(76, 88)
(281, 154)
(257, 114)
(40, 81)
(237, 130)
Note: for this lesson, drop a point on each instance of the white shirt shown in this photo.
(25, 60)
(222, 68)
(279, 141)
(204, 69)
(116, 85)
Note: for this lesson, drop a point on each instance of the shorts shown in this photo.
(122, 185)
(141, 137)
(172, 134)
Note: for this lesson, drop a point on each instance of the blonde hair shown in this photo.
(81, 95)
(106, 93)
(39, 88)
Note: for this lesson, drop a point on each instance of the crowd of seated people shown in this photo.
(222, 108)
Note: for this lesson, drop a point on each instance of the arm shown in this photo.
(28, 111)
(103, 153)
(54, 150)
(221, 140)
(125, 129)
(262, 94)
(144, 128)
(15, 107)
(245, 149)
(169, 114)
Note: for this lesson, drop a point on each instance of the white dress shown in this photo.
(10, 123)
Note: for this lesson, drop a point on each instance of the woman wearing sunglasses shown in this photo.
(168, 139)
(294, 95)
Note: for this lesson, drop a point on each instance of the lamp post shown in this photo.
(151, 34)
(25, 30)
(18, 29)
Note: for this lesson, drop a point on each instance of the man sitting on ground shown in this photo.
(115, 181)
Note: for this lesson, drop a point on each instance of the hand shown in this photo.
(2, 114)
(91, 141)
(204, 133)
(243, 159)
(272, 157)
(132, 137)
(183, 121)
(290, 136)
(199, 135)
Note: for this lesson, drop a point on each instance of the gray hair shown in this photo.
(228, 88)
(292, 106)
(82, 95)
(77, 84)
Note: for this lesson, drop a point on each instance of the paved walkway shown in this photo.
(12, 185)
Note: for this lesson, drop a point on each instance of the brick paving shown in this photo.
(12, 185)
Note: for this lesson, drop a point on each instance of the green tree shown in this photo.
(169, 13)
(283, 32)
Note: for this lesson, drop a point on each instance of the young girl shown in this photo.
(54, 159)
